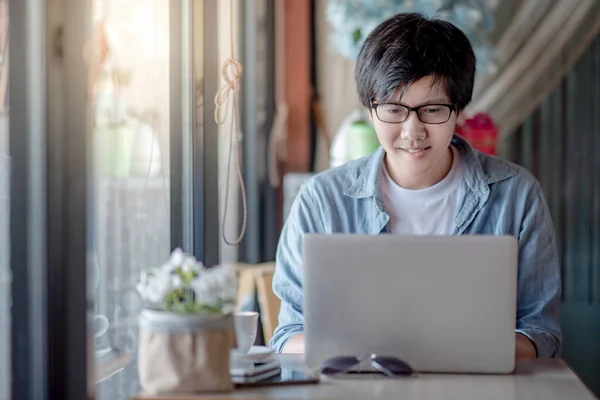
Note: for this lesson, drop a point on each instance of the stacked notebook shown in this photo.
(249, 370)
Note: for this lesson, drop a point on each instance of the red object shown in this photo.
(480, 132)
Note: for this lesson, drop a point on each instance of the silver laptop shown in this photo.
(439, 303)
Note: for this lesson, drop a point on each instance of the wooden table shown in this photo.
(543, 379)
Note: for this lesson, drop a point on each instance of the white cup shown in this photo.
(246, 326)
(100, 325)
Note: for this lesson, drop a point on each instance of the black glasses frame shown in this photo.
(391, 367)
(375, 105)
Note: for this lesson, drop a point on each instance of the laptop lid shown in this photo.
(440, 303)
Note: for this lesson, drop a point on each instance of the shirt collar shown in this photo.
(479, 172)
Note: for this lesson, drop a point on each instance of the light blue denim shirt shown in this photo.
(497, 198)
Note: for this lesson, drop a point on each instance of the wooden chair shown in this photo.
(258, 279)
(269, 303)
(246, 285)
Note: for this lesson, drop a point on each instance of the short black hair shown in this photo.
(408, 47)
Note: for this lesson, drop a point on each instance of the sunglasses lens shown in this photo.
(338, 364)
(394, 365)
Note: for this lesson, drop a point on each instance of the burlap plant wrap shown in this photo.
(184, 353)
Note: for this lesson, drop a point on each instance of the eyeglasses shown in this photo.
(389, 366)
(392, 113)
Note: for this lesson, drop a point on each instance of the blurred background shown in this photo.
(113, 101)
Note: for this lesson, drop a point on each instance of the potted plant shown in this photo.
(186, 326)
(362, 139)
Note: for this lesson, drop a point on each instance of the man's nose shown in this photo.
(413, 128)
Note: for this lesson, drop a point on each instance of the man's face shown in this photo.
(417, 153)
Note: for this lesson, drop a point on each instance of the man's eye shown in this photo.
(432, 110)
(392, 110)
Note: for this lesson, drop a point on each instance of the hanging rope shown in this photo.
(232, 73)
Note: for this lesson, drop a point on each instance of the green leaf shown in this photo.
(186, 276)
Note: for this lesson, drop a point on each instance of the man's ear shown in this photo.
(371, 115)
(461, 117)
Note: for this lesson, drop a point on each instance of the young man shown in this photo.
(416, 77)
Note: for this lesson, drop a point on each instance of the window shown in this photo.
(145, 187)
(130, 187)
(152, 186)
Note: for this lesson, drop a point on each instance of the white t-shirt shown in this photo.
(428, 211)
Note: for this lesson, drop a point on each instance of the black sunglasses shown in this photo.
(389, 366)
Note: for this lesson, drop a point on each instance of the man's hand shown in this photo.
(295, 345)
(524, 348)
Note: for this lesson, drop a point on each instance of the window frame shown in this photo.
(48, 131)
(257, 51)
(50, 145)
(194, 134)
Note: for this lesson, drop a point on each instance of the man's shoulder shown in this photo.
(500, 170)
(337, 179)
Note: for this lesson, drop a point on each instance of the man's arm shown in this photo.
(524, 348)
(304, 217)
(539, 284)
(295, 345)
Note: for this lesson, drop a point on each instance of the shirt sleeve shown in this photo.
(287, 280)
(539, 283)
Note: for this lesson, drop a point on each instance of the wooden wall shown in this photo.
(297, 84)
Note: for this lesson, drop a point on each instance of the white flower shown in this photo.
(175, 281)
(213, 287)
(153, 286)
(174, 261)
(177, 257)
(190, 264)
(204, 290)
(182, 262)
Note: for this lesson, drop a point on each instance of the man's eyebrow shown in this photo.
(437, 100)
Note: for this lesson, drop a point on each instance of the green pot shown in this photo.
(362, 140)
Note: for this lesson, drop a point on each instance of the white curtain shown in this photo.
(541, 44)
